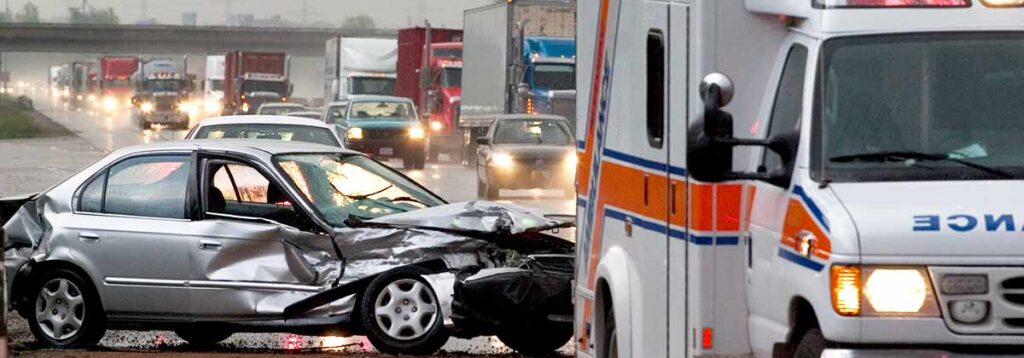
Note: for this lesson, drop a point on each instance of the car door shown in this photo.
(252, 259)
(134, 235)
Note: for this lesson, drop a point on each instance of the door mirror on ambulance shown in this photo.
(711, 139)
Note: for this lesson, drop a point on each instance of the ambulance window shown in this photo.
(788, 102)
(655, 88)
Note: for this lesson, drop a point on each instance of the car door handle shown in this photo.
(88, 237)
(209, 245)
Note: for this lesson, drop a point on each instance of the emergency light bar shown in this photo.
(836, 4)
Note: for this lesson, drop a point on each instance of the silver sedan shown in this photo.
(208, 238)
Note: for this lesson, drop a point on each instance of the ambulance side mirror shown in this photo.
(711, 139)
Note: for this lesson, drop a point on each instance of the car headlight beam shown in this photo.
(502, 160)
(417, 132)
(146, 107)
(354, 133)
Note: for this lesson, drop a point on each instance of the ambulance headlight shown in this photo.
(884, 291)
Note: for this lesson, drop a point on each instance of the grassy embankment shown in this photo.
(19, 120)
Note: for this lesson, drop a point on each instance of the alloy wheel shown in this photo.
(60, 309)
(406, 309)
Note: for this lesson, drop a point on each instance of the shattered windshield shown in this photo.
(341, 186)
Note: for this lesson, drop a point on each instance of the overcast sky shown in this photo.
(386, 13)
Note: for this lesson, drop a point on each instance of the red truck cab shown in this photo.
(115, 81)
(433, 81)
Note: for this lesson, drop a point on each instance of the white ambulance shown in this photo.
(878, 209)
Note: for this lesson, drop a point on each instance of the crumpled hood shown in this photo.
(966, 218)
(477, 216)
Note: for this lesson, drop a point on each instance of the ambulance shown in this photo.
(800, 178)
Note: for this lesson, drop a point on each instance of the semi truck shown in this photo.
(799, 178)
(53, 81)
(430, 73)
(519, 57)
(355, 66)
(115, 81)
(78, 81)
(161, 90)
(254, 78)
(213, 85)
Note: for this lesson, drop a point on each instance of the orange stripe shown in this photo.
(797, 220)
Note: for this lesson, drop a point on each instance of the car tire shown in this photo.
(203, 337)
(66, 297)
(421, 332)
(537, 339)
(812, 344)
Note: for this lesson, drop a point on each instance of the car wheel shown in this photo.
(203, 336)
(401, 313)
(420, 159)
(812, 344)
(66, 312)
(536, 339)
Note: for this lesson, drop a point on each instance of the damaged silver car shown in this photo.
(209, 238)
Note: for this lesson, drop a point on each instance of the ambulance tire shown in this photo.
(610, 346)
(812, 344)
(539, 339)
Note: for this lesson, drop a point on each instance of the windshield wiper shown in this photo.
(899, 156)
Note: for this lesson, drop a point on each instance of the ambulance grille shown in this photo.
(1015, 283)
(1017, 298)
(1005, 299)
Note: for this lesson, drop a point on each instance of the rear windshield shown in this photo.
(269, 131)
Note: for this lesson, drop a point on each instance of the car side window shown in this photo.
(151, 186)
(241, 190)
(788, 104)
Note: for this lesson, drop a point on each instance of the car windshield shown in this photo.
(341, 186)
(269, 131)
(279, 110)
(372, 85)
(390, 110)
(451, 77)
(336, 113)
(528, 131)
(164, 85)
(916, 107)
(448, 52)
(251, 86)
(555, 76)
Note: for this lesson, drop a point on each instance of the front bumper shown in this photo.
(520, 177)
(166, 117)
(386, 148)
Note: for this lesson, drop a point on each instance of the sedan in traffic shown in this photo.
(383, 127)
(283, 128)
(279, 108)
(523, 151)
(212, 237)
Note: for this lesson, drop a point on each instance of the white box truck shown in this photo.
(800, 178)
(354, 66)
(213, 86)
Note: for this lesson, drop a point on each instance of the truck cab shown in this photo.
(443, 98)
(798, 178)
(160, 94)
(548, 76)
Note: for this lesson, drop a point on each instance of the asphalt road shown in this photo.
(37, 164)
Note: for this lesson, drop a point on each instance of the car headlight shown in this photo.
(570, 160)
(897, 291)
(109, 103)
(212, 106)
(355, 133)
(417, 132)
(245, 107)
(502, 160)
(436, 126)
(146, 107)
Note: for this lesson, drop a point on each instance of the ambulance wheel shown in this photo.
(401, 313)
(812, 344)
(610, 346)
(537, 339)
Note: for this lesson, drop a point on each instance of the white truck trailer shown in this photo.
(354, 66)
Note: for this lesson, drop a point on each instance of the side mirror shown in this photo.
(711, 139)
(523, 89)
(483, 141)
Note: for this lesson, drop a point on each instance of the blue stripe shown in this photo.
(799, 191)
(581, 201)
(646, 163)
(800, 260)
(581, 144)
(673, 233)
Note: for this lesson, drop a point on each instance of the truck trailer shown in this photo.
(433, 80)
(519, 57)
(254, 78)
(799, 178)
(359, 66)
(213, 85)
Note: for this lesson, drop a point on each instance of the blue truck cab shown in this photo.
(548, 75)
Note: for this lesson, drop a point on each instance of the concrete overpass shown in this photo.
(169, 39)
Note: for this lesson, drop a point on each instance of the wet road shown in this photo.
(106, 132)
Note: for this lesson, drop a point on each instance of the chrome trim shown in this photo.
(241, 285)
(144, 282)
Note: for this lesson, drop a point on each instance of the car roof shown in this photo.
(282, 104)
(256, 147)
(374, 97)
(304, 112)
(503, 117)
(264, 119)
